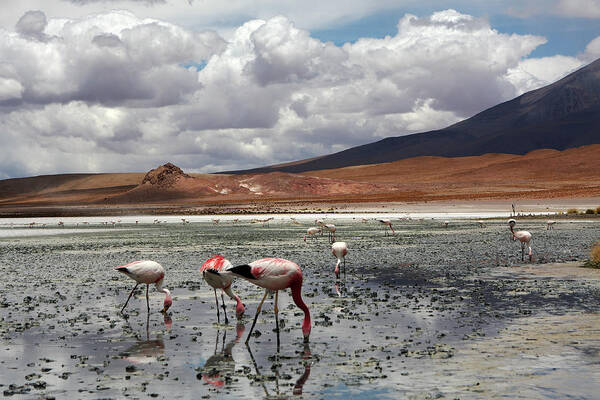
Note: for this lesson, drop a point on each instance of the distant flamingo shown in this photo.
(331, 228)
(273, 274)
(265, 221)
(223, 282)
(446, 224)
(321, 224)
(339, 250)
(550, 225)
(481, 224)
(389, 224)
(311, 232)
(524, 237)
(148, 272)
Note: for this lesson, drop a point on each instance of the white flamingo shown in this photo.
(389, 224)
(339, 250)
(331, 228)
(148, 272)
(550, 225)
(524, 237)
(311, 232)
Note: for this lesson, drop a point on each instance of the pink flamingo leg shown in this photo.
(218, 314)
(130, 294)
(256, 316)
(276, 310)
(147, 298)
(224, 310)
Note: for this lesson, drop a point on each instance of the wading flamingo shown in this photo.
(339, 250)
(388, 223)
(321, 224)
(273, 274)
(524, 237)
(148, 272)
(331, 228)
(481, 224)
(550, 225)
(223, 282)
(446, 224)
(311, 232)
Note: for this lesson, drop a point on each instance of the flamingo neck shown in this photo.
(239, 308)
(168, 299)
(297, 297)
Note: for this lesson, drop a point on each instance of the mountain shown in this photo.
(559, 116)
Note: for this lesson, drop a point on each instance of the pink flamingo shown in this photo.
(223, 282)
(331, 228)
(550, 225)
(524, 237)
(389, 224)
(148, 272)
(311, 232)
(273, 274)
(321, 224)
(339, 250)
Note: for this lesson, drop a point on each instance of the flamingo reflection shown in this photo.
(300, 382)
(147, 351)
(221, 365)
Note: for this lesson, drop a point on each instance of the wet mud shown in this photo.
(431, 312)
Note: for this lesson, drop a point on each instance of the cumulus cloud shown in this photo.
(32, 25)
(113, 92)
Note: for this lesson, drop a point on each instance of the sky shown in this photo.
(127, 85)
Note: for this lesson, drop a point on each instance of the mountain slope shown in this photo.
(559, 116)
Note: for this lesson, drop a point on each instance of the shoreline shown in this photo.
(556, 208)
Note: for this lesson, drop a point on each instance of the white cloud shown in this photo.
(114, 92)
(531, 74)
(579, 8)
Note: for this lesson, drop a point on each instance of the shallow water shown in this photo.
(422, 314)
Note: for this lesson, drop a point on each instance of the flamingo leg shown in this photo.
(276, 310)
(256, 316)
(147, 298)
(522, 252)
(218, 314)
(224, 310)
(130, 294)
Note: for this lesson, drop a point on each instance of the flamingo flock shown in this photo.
(271, 274)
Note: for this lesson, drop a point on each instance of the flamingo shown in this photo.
(481, 224)
(331, 228)
(222, 282)
(339, 250)
(321, 224)
(273, 274)
(523, 236)
(550, 225)
(147, 272)
(311, 232)
(388, 223)
(446, 223)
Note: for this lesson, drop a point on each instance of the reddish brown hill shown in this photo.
(538, 174)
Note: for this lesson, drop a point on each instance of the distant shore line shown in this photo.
(552, 209)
